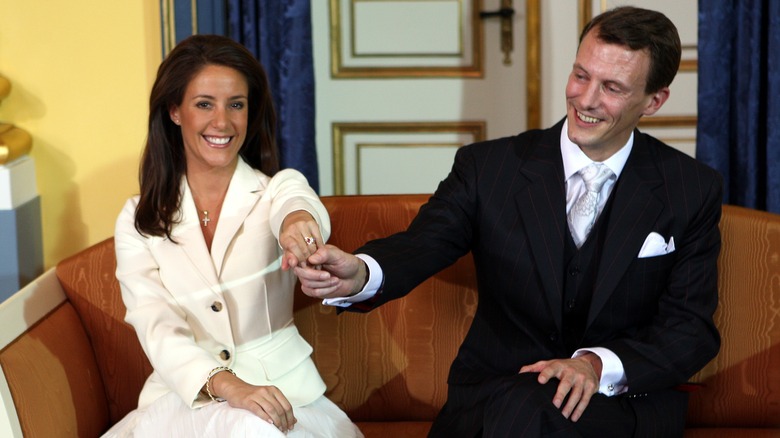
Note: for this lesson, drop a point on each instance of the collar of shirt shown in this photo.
(574, 159)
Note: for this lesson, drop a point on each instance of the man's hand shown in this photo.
(579, 379)
(340, 274)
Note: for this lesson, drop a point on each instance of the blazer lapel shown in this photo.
(541, 198)
(242, 195)
(189, 238)
(635, 209)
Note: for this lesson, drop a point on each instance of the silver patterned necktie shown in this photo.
(584, 211)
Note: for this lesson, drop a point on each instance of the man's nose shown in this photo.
(589, 97)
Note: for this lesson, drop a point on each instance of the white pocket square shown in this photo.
(655, 245)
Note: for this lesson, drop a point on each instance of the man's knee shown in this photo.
(522, 389)
(521, 406)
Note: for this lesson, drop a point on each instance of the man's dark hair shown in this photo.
(642, 29)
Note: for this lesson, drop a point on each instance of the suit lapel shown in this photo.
(635, 209)
(539, 200)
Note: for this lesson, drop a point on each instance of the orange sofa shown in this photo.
(72, 367)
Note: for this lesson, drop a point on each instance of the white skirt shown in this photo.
(168, 416)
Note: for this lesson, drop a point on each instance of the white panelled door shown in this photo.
(401, 84)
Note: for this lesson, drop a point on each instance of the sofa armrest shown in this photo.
(17, 314)
(51, 383)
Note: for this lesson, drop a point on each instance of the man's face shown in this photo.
(605, 96)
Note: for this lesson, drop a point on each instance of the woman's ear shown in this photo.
(173, 112)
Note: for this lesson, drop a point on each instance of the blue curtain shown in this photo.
(278, 32)
(739, 98)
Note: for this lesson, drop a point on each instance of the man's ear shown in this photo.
(656, 101)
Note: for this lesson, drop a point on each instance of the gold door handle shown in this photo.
(505, 13)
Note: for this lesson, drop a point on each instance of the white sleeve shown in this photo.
(375, 277)
(613, 376)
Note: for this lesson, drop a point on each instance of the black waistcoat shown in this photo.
(581, 267)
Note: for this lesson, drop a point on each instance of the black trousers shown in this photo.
(518, 406)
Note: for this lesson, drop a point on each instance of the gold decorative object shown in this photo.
(14, 142)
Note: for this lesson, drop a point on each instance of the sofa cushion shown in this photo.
(89, 281)
(726, 432)
(742, 384)
(394, 429)
(390, 364)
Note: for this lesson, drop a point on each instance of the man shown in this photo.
(597, 285)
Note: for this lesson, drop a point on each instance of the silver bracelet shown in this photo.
(212, 373)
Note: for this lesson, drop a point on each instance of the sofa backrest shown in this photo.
(742, 384)
(391, 363)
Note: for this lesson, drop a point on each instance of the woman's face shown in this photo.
(213, 117)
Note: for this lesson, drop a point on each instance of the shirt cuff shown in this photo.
(375, 277)
(613, 376)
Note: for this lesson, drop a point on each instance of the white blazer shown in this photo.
(194, 310)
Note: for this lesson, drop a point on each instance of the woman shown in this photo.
(204, 257)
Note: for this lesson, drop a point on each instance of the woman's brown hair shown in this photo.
(163, 163)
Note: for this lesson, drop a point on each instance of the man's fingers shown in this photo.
(576, 385)
(574, 398)
(322, 293)
(534, 367)
(580, 409)
(564, 389)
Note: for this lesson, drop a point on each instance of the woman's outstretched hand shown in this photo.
(300, 237)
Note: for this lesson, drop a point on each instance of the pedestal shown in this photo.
(21, 238)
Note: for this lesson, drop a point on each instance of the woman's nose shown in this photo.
(220, 118)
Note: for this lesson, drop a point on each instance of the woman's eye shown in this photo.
(237, 105)
(203, 105)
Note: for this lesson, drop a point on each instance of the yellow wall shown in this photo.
(80, 72)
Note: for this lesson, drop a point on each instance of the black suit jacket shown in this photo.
(504, 201)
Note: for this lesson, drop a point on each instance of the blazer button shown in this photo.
(216, 306)
(224, 355)
(553, 336)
